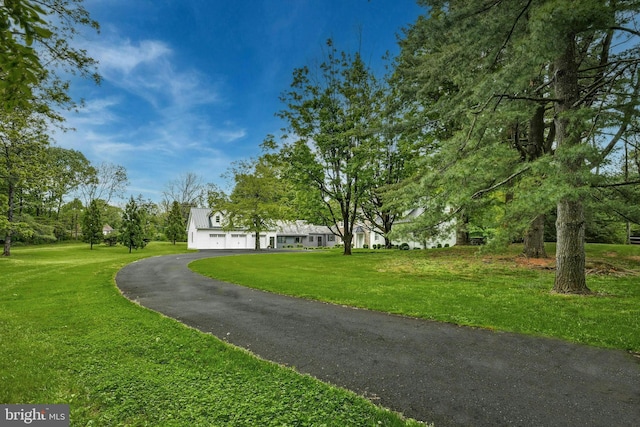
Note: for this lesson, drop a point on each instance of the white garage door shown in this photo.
(217, 241)
(237, 241)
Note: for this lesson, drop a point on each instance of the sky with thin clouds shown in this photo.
(190, 86)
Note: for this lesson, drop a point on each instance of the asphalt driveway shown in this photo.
(430, 371)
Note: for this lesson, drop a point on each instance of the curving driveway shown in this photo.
(430, 371)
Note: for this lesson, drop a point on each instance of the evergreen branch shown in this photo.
(526, 98)
(617, 184)
(622, 215)
(616, 63)
(480, 193)
(511, 31)
(626, 30)
(629, 111)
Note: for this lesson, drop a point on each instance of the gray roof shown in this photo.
(301, 228)
(200, 217)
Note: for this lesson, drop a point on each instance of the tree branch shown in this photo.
(626, 30)
(526, 98)
(513, 27)
(480, 193)
(617, 184)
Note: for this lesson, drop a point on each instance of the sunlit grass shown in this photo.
(68, 336)
(460, 285)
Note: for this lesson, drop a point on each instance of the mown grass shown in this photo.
(68, 336)
(459, 285)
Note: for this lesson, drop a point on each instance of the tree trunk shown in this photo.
(387, 242)
(257, 245)
(7, 244)
(347, 238)
(570, 255)
(7, 237)
(534, 239)
(462, 235)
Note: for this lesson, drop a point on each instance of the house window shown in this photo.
(213, 236)
(281, 239)
(217, 219)
(331, 238)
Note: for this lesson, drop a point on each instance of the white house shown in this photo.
(204, 231)
(301, 233)
(363, 234)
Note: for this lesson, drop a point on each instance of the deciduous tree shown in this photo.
(104, 181)
(258, 200)
(36, 42)
(331, 117)
(189, 190)
(22, 141)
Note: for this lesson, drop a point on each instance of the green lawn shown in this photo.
(460, 286)
(68, 336)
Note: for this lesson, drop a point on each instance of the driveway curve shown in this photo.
(430, 371)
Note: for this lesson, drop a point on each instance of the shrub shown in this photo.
(404, 247)
(111, 239)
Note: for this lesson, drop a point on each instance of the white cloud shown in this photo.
(123, 57)
(146, 69)
(152, 115)
(95, 112)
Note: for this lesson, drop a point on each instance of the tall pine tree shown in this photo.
(522, 94)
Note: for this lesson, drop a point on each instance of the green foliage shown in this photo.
(92, 224)
(34, 231)
(259, 199)
(70, 214)
(22, 142)
(459, 285)
(131, 230)
(35, 38)
(333, 118)
(71, 338)
(175, 226)
(519, 98)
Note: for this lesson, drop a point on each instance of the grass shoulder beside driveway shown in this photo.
(68, 336)
(459, 285)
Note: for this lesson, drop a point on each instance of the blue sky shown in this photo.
(193, 85)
